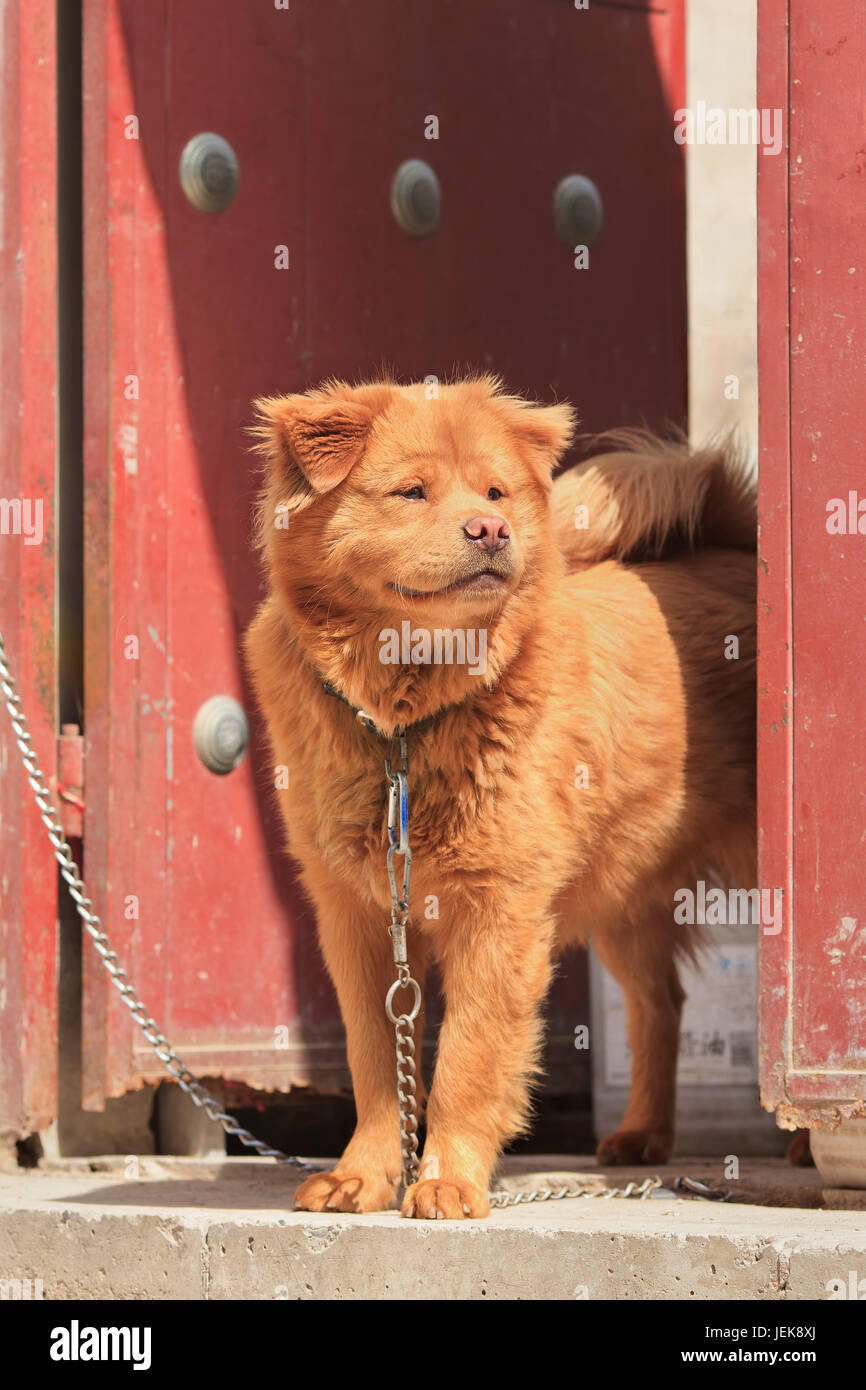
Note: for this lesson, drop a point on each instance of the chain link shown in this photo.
(404, 1023)
(69, 870)
(404, 1029)
(558, 1194)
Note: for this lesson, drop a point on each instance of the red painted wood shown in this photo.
(813, 642)
(125, 697)
(321, 107)
(28, 374)
(774, 555)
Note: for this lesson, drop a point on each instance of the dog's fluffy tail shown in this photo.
(649, 497)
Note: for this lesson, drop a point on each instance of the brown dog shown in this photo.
(599, 755)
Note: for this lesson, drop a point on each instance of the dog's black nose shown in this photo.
(489, 533)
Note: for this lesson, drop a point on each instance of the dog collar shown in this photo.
(362, 716)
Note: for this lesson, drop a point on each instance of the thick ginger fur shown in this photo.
(602, 759)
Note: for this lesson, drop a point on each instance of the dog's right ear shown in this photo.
(311, 444)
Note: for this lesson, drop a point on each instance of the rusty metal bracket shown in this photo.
(70, 779)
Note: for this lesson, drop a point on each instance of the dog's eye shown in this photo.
(494, 494)
(413, 494)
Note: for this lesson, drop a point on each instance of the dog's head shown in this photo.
(407, 500)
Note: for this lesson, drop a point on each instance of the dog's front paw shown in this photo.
(345, 1192)
(636, 1146)
(440, 1199)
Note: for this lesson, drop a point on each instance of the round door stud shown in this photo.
(221, 733)
(209, 172)
(416, 199)
(577, 211)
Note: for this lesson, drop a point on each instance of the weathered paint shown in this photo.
(812, 584)
(28, 376)
(193, 306)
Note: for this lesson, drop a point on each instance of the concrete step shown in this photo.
(174, 1228)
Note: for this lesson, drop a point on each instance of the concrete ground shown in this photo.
(169, 1228)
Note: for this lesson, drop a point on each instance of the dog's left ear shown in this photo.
(545, 431)
(311, 442)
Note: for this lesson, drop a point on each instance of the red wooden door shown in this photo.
(188, 315)
(812, 604)
(28, 560)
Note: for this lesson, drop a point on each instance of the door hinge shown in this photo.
(70, 779)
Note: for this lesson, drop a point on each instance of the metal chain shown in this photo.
(404, 1031)
(404, 1023)
(558, 1194)
(69, 870)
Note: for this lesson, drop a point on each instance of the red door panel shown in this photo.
(28, 560)
(320, 105)
(813, 576)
